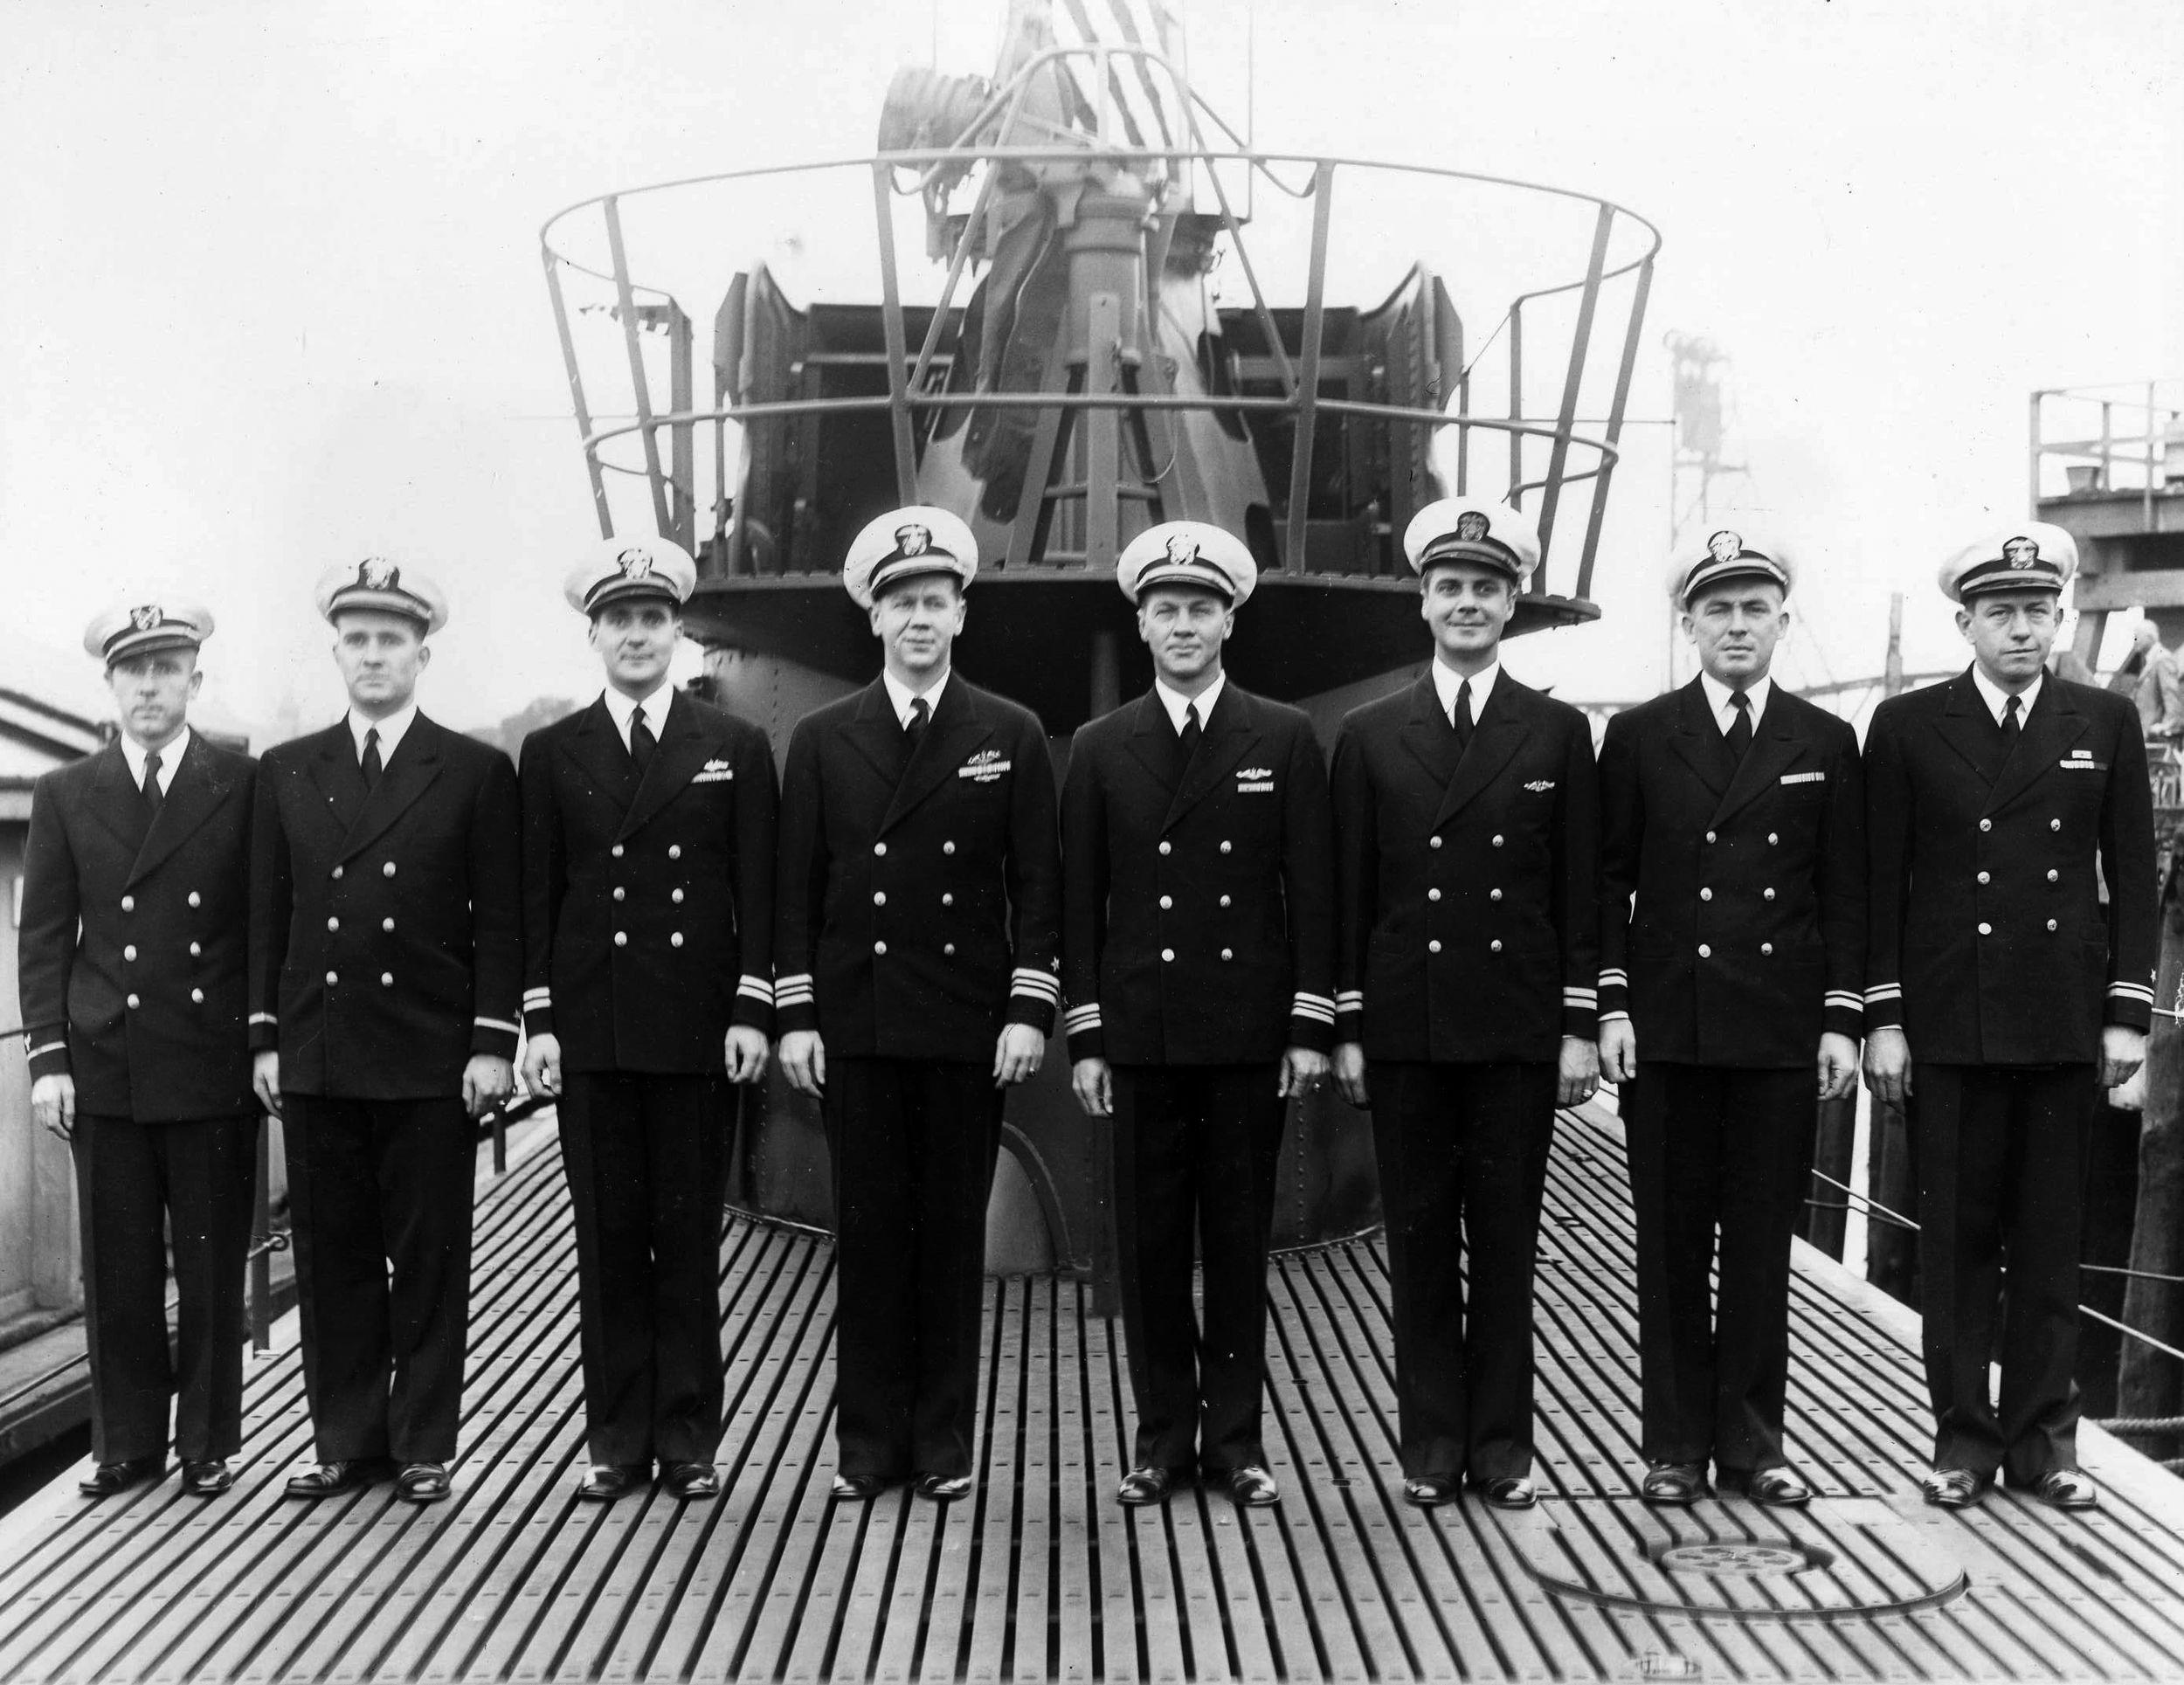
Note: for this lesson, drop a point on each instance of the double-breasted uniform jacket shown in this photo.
(918, 900)
(1467, 893)
(132, 969)
(1199, 919)
(386, 927)
(1733, 893)
(1988, 942)
(647, 904)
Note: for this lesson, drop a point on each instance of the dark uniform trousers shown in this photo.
(1732, 933)
(648, 926)
(918, 912)
(1198, 934)
(1992, 950)
(1468, 900)
(386, 951)
(134, 978)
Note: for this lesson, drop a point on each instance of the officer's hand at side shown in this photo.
(1838, 1066)
(1578, 1071)
(1301, 1068)
(1349, 1073)
(1888, 1066)
(53, 1104)
(488, 1081)
(804, 1061)
(1619, 1050)
(1095, 1086)
(1017, 1051)
(265, 1080)
(542, 1064)
(746, 1053)
(2122, 1053)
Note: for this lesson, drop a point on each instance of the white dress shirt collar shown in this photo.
(1997, 698)
(622, 709)
(169, 759)
(1175, 703)
(901, 697)
(391, 731)
(1717, 695)
(1448, 681)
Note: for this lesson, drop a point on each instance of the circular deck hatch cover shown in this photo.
(1735, 1556)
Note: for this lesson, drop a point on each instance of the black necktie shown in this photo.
(1192, 731)
(2010, 724)
(1460, 718)
(372, 763)
(1740, 727)
(914, 728)
(641, 741)
(152, 794)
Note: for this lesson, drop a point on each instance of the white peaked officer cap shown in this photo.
(142, 622)
(1730, 555)
(1463, 529)
(2031, 556)
(1187, 553)
(375, 582)
(906, 543)
(619, 568)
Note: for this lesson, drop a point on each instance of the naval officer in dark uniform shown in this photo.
(1467, 967)
(2003, 998)
(916, 954)
(1199, 931)
(648, 840)
(132, 970)
(386, 964)
(1732, 960)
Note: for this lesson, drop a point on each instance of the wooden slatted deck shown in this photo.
(1043, 1578)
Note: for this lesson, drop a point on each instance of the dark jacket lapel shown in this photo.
(334, 771)
(115, 801)
(1152, 740)
(678, 757)
(192, 799)
(408, 772)
(1968, 727)
(1495, 740)
(599, 753)
(876, 735)
(1425, 734)
(1698, 741)
(2043, 739)
(956, 728)
(1775, 747)
(1224, 739)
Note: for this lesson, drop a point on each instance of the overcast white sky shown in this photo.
(270, 295)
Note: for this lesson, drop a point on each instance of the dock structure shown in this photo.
(1043, 1576)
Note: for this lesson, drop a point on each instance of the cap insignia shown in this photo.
(1182, 549)
(2021, 553)
(1725, 546)
(913, 540)
(377, 573)
(147, 618)
(1471, 527)
(635, 562)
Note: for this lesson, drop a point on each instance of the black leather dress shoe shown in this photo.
(605, 1482)
(690, 1481)
(1508, 1492)
(1778, 1488)
(330, 1480)
(1955, 1488)
(207, 1480)
(1251, 1485)
(2067, 1488)
(109, 1478)
(1673, 1482)
(424, 1482)
(1144, 1486)
(1429, 1491)
(945, 1488)
(858, 1488)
